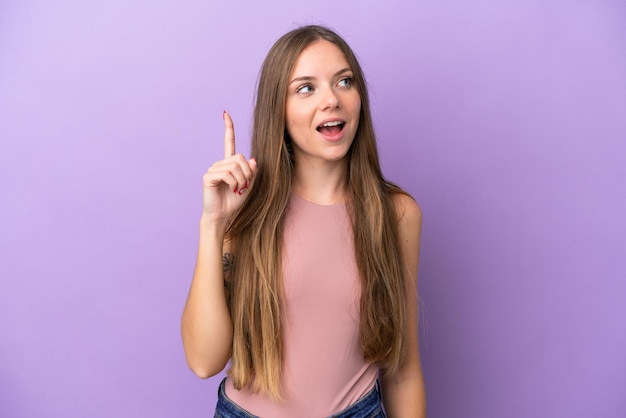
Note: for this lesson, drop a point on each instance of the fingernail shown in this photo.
(224, 115)
(247, 184)
(235, 190)
(242, 191)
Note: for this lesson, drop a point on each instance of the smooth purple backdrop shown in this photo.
(505, 119)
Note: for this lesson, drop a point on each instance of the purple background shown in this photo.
(505, 119)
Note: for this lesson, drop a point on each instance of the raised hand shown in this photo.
(227, 182)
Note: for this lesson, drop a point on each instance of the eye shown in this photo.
(306, 88)
(345, 82)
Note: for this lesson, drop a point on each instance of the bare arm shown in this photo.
(206, 326)
(403, 393)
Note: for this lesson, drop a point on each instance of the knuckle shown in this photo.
(232, 166)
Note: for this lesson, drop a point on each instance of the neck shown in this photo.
(323, 183)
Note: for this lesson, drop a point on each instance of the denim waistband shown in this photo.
(369, 406)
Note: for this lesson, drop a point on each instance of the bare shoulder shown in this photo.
(409, 213)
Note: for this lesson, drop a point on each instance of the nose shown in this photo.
(330, 99)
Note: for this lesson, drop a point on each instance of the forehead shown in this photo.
(319, 57)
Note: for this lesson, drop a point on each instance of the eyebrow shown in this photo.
(309, 78)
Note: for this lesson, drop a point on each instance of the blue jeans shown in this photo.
(369, 406)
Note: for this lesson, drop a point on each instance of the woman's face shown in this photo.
(322, 105)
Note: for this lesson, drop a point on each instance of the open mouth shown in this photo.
(331, 128)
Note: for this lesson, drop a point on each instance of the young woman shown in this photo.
(306, 275)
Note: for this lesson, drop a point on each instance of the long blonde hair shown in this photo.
(256, 230)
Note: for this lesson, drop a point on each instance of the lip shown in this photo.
(335, 137)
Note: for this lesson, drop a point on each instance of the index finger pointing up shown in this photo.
(229, 136)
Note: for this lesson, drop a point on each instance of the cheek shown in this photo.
(357, 105)
(353, 104)
(356, 110)
(295, 121)
(288, 119)
(290, 124)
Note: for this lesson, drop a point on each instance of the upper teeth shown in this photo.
(334, 123)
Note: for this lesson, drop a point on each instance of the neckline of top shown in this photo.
(330, 205)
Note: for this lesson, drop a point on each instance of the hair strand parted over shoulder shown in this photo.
(256, 231)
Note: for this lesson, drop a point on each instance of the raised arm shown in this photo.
(403, 393)
(206, 326)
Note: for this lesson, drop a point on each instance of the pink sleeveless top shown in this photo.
(324, 370)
